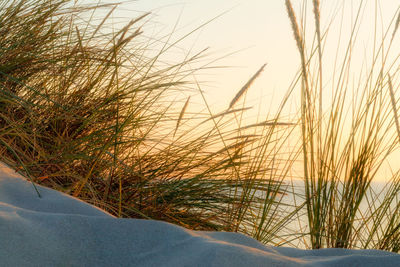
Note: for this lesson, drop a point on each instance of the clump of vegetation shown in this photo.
(87, 110)
(344, 148)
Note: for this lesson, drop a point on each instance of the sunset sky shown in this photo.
(246, 35)
(256, 32)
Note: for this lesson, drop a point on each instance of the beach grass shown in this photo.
(90, 111)
(94, 111)
(345, 146)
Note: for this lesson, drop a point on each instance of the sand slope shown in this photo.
(58, 230)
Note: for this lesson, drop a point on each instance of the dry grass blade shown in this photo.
(317, 18)
(394, 106)
(103, 21)
(224, 113)
(181, 114)
(267, 123)
(246, 87)
(396, 26)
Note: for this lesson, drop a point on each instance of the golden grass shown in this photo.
(244, 89)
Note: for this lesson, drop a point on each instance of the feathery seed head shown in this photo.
(246, 86)
(295, 26)
(316, 9)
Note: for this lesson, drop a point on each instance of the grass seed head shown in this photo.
(295, 26)
(246, 87)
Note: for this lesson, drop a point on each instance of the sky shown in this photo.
(245, 34)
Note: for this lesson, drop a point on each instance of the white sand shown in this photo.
(58, 230)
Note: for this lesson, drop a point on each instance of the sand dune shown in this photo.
(58, 230)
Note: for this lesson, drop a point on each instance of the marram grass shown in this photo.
(87, 111)
(342, 151)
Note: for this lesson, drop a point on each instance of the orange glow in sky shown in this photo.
(259, 32)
